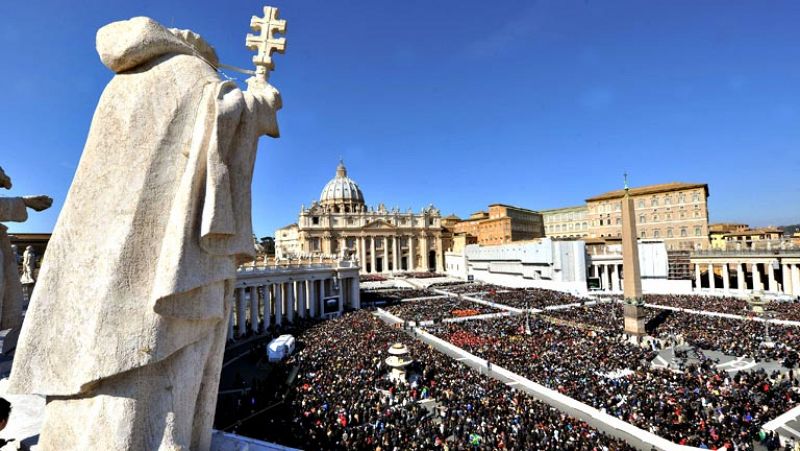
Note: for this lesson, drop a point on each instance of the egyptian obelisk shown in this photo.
(632, 282)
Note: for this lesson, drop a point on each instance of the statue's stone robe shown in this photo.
(11, 209)
(138, 274)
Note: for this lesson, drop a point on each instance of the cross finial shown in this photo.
(265, 42)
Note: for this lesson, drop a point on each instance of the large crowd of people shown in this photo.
(389, 296)
(698, 406)
(438, 309)
(525, 298)
(341, 399)
(724, 304)
(735, 337)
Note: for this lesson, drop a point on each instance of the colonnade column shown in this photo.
(606, 280)
(267, 305)
(697, 284)
(757, 286)
(301, 298)
(254, 320)
(312, 296)
(711, 281)
(771, 278)
(726, 283)
(786, 275)
(290, 302)
(372, 257)
(796, 279)
(614, 278)
(230, 325)
(278, 301)
(241, 311)
(740, 279)
(342, 285)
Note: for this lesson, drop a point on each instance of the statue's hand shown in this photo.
(38, 203)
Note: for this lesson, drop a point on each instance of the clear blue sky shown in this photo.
(457, 103)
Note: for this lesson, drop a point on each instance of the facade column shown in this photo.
(439, 257)
(740, 278)
(757, 286)
(241, 311)
(711, 276)
(267, 305)
(773, 286)
(423, 241)
(726, 282)
(254, 320)
(372, 256)
(362, 254)
(278, 301)
(614, 278)
(312, 297)
(786, 276)
(795, 279)
(395, 251)
(355, 294)
(342, 246)
(606, 280)
(697, 284)
(290, 301)
(412, 262)
(385, 256)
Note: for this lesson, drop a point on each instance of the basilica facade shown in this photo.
(382, 240)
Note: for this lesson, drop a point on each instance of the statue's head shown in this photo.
(198, 44)
(5, 181)
(29, 248)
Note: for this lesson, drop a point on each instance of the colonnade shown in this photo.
(763, 275)
(258, 305)
(610, 275)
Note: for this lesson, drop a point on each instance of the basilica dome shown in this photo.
(342, 193)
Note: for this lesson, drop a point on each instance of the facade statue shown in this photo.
(28, 266)
(126, 328)
(11, 299)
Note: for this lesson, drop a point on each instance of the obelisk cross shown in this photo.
(265, 42)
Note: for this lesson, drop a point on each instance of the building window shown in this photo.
(698, 231)
(656, 233)
(315, 220)
(653, 202)
(683, 232)
(641, 219)
(655, 218)
(643, 234)
(641, 203)
(696, 196)
(668, 200)
(669, 233)
(619, 221)
(682, 198)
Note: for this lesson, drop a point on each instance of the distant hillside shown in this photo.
(790, 229)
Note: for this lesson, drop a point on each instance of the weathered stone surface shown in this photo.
(128, 319)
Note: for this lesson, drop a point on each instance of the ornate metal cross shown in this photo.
(265, 41)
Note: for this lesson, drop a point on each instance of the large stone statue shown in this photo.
(126, 329)
(28, 266)
(11, 299)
